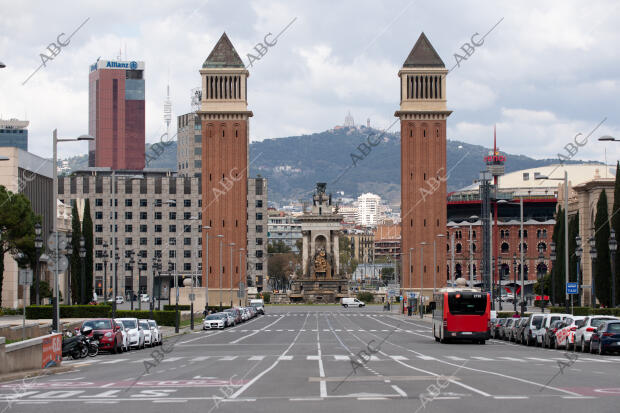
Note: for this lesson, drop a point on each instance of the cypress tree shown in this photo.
(556, 270)
(573, 231)
(560, 273)
(75, 257)
(603, 266)
(87, 232)
(615, 224)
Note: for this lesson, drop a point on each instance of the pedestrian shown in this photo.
(516, 315)
(409, 309)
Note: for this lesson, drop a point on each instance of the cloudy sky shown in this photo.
(546, 72)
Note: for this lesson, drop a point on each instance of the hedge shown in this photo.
(509, 314)
(182, 307)
(588, 311)
(366, 297)
(34, 312)
(163, 318)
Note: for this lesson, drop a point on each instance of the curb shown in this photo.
(35, 373)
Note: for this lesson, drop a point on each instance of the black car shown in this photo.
(606, 338)
(549, 338)
(519, 330)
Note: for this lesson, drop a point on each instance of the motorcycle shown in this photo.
(92, 344)
(73, 346)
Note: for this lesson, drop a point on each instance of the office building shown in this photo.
(14, 133)
(257, 233)
(189, 145)
(368, 209)
(116, 115)
(284, 228)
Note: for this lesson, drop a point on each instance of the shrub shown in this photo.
(182, 307)
(366, 297)
(69, 311)
(163, 318)
(267, 298)
(588, 311)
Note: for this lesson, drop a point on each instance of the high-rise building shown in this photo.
(116, 114)
(368, 209)
(225, 134)
(189, 144)
(257, 233)
(14, 133)
(423, 114)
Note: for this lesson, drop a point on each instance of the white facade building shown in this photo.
(368, 209)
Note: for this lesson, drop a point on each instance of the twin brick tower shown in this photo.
(225, 134)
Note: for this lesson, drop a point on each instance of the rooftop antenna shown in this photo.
(167, 110)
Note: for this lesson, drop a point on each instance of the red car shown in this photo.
(107, 332)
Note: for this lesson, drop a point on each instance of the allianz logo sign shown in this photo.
(117, 65)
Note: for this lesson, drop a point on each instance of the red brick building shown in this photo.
(225, 133)
(423, 113)
(116, 115)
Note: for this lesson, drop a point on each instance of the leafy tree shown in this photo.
(387, 274)
(615, 224)
(348, 263)
(44, 290)
(87, 232)
(76, 268)
(280, 266)
(366, 297)
(17, 221)
(557, 273)
(278, 247)
(602, 267)
(543, 285)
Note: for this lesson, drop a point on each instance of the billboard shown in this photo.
(51, 351)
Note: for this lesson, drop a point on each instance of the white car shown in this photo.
(547, 320)
(144, 298)
(119, 299)
(148, 334)
(258, 304)
(583, 333)
(351, 302)
(565, 337)
(134, 331)
(217, 320)
(155, 332)
(125, 346)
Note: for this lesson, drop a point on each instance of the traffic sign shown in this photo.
(25, 276)
(572, 288)
(192, 297)
(63, 263)
(51, 241)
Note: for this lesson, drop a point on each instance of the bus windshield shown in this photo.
(467, 303)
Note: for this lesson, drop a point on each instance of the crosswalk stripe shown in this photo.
(399, 358)
(113, 361)
(228, 358)
(256, 358)
(427, 358)
(201, 358)
(313, 357)
(591, 359)
(141, 360)
(511, 359)
(341, 358)
(482, 358)
(285, 358)
(455, 358)
(168, 360)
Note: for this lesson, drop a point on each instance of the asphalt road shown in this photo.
(300, 359)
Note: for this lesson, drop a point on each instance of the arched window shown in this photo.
(524, 247)
(459, 248)
(542, 247)
(505, 247)
(473, 247)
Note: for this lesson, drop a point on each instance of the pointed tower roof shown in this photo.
(223, 55)
(423, 54)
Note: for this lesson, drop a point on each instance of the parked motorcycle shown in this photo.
(92, 343)
(73, 346)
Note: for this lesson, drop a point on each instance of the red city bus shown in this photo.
(461, 314)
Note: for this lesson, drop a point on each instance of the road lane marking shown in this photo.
(455, 358)
(313, 357)
(256, 332)
(423, 357)
(341, 358)
(171, 359)
(228, 358)
(113, 361)
(399, 358)
(482, 358)
(513, 359)
(399, 390)
(201, 358)
(256, 358)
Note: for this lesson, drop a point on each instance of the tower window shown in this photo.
(424, 133)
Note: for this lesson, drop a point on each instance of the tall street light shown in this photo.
(422, 244)
(452, 254)
(206, 228)
(69, 253)
(435, 262)
(514, 288)
(613, 247)
(552, 257)
(578, 253)
(593, 254)
(232, 247)
(83, 275)
(410, 265)
(105, 272)
(220, 236)
(241, 250)
(471, 246)
(55, 140)
(38, 246)
(565, 179)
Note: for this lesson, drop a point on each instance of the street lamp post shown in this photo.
(523, 263)
(435, 262)
(552, 257)
(593, 255)
(410, 265)
(69, 253)
(241, 250)
(422, 244)
(55, 140)
(206, 269)
(38, 246)
(452, 255)
(578, 253)
(220, 236)
(613, 247)
(232, 247)
(565, 179)
(131, 292)
(471, 252)
(514, 287)
(105, 272)
(115, 282)
(140, 265)
(83, 275)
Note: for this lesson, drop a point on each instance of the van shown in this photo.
(353, 302)
(258, 304)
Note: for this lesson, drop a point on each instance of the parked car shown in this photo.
(245, 314)
(217, 320)
(583, 333)
(155, 332)
(496, 326)
(565, 337)
(530, 331)
(119, 299)
(135, 332)
(107, 332)
(505, 329)
(126, 346)
(606, 338)
(148, 334)
(236, 313)
(144, 298)
(547, 320)
(519, 329)
(549, 339)
(351, 302)
(258, 304)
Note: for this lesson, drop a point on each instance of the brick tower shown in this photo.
(423, 115)
(225, 134)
